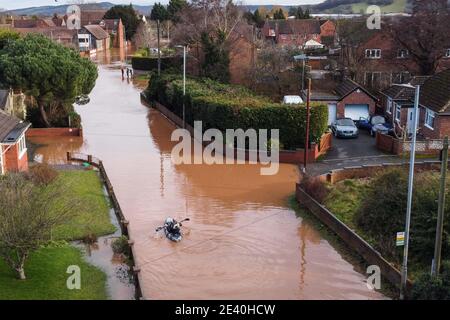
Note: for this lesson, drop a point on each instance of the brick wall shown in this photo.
(52, 132)
(355, 98)
(12, 161)
(328, 29)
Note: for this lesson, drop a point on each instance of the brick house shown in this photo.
(116, 29)
(434, 118)
(346, 99)
(13, 149)
(292, 32)
(93, 37)
(383, 62)
(327, 32)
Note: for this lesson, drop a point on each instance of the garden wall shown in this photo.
(355, 242)
(149, 64)
(286, 156)
(396, 146)
(54, 132)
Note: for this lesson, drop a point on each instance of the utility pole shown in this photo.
(184, 85)
(158, 25)
(409, 200)
(436, 265)
(308, 98)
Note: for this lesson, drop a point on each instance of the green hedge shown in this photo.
(223, 106)
(150, 63)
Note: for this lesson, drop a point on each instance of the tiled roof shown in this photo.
(297, 26)
(56, 32)
(98, 32)
(3, 97)
(7, 124)
(347, 86)
(26, 23)
(91, 17)
(110, 24)
(399, 92)
(435, 92)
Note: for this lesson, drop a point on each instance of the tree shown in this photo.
(159, 12)
(279, 15)
(7, 35)
(298, 13)
(424, 34)
(217, 61)
(28, 213)
(174, 7)
(50, 73)
(129, 18)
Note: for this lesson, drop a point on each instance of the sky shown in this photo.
(16, 4)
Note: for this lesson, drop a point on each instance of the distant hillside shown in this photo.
(359, 6)
(61, 9)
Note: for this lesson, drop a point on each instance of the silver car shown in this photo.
(344, 128)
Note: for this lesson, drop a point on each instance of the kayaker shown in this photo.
(172, 225)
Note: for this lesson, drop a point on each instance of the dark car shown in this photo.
(375, 124)
(344, 128)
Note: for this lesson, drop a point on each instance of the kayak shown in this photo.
(176, 237)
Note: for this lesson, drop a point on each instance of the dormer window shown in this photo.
(373, 53)
(402, 53)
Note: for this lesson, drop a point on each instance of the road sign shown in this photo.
(400, 241)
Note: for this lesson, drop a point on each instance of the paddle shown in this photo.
(160, 228)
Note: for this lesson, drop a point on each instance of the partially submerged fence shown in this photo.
(97, 163)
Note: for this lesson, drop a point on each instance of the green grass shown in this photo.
(46, 277)
(46, 268)
(93, 217)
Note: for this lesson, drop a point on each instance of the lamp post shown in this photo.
(409, 199)
(184, 82)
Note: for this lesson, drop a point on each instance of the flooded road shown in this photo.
(243, 241)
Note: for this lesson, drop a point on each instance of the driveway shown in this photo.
(351, 152)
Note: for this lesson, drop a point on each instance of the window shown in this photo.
(447, 53)
(429, 119)
(22, 146)
(398, 112)
(373, 53)
(389, 106)
(402, 53)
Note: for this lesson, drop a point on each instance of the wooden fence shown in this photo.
(97, 163)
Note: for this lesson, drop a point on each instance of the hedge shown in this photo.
(149, 63)
(224, 106)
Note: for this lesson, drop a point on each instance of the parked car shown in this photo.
(292, 100)
(344, 128)
(375, 124)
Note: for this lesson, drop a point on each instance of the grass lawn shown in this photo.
(93, 218)
(46, 277)
(46, 268)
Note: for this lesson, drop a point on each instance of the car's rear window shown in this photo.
(345, 122)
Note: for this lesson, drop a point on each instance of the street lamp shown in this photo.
(410, 190)
(184, 82)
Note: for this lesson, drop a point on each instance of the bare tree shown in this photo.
(145, 36)
(28, 212)
(424, 34)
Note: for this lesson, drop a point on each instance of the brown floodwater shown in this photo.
(243, 240)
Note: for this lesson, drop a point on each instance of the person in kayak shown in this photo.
(172, 226)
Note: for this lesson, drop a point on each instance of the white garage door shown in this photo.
(356, 111)
(331, 113)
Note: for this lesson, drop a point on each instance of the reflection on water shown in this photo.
(242, 241)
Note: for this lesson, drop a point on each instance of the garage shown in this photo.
(332, 111)
(356, 111)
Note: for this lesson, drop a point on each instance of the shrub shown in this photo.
(151, 63)
(223, 106)
(42, 174)
(121, 246)
(315, 187)
(382, 214)
(427, 287)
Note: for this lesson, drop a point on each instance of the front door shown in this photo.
(410, 121)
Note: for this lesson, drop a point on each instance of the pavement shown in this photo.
(350, 153)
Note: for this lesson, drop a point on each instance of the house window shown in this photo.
(402, 53)
(373, 53)
(389, 106)
(398, 112)
(22, 146)
(447, 53)
(429, 119)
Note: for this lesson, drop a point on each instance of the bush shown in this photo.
(433, 288)
(315, 187)
(42, 174)
(151, 63)
(121, 246)
(382, 214)
(223, 106)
